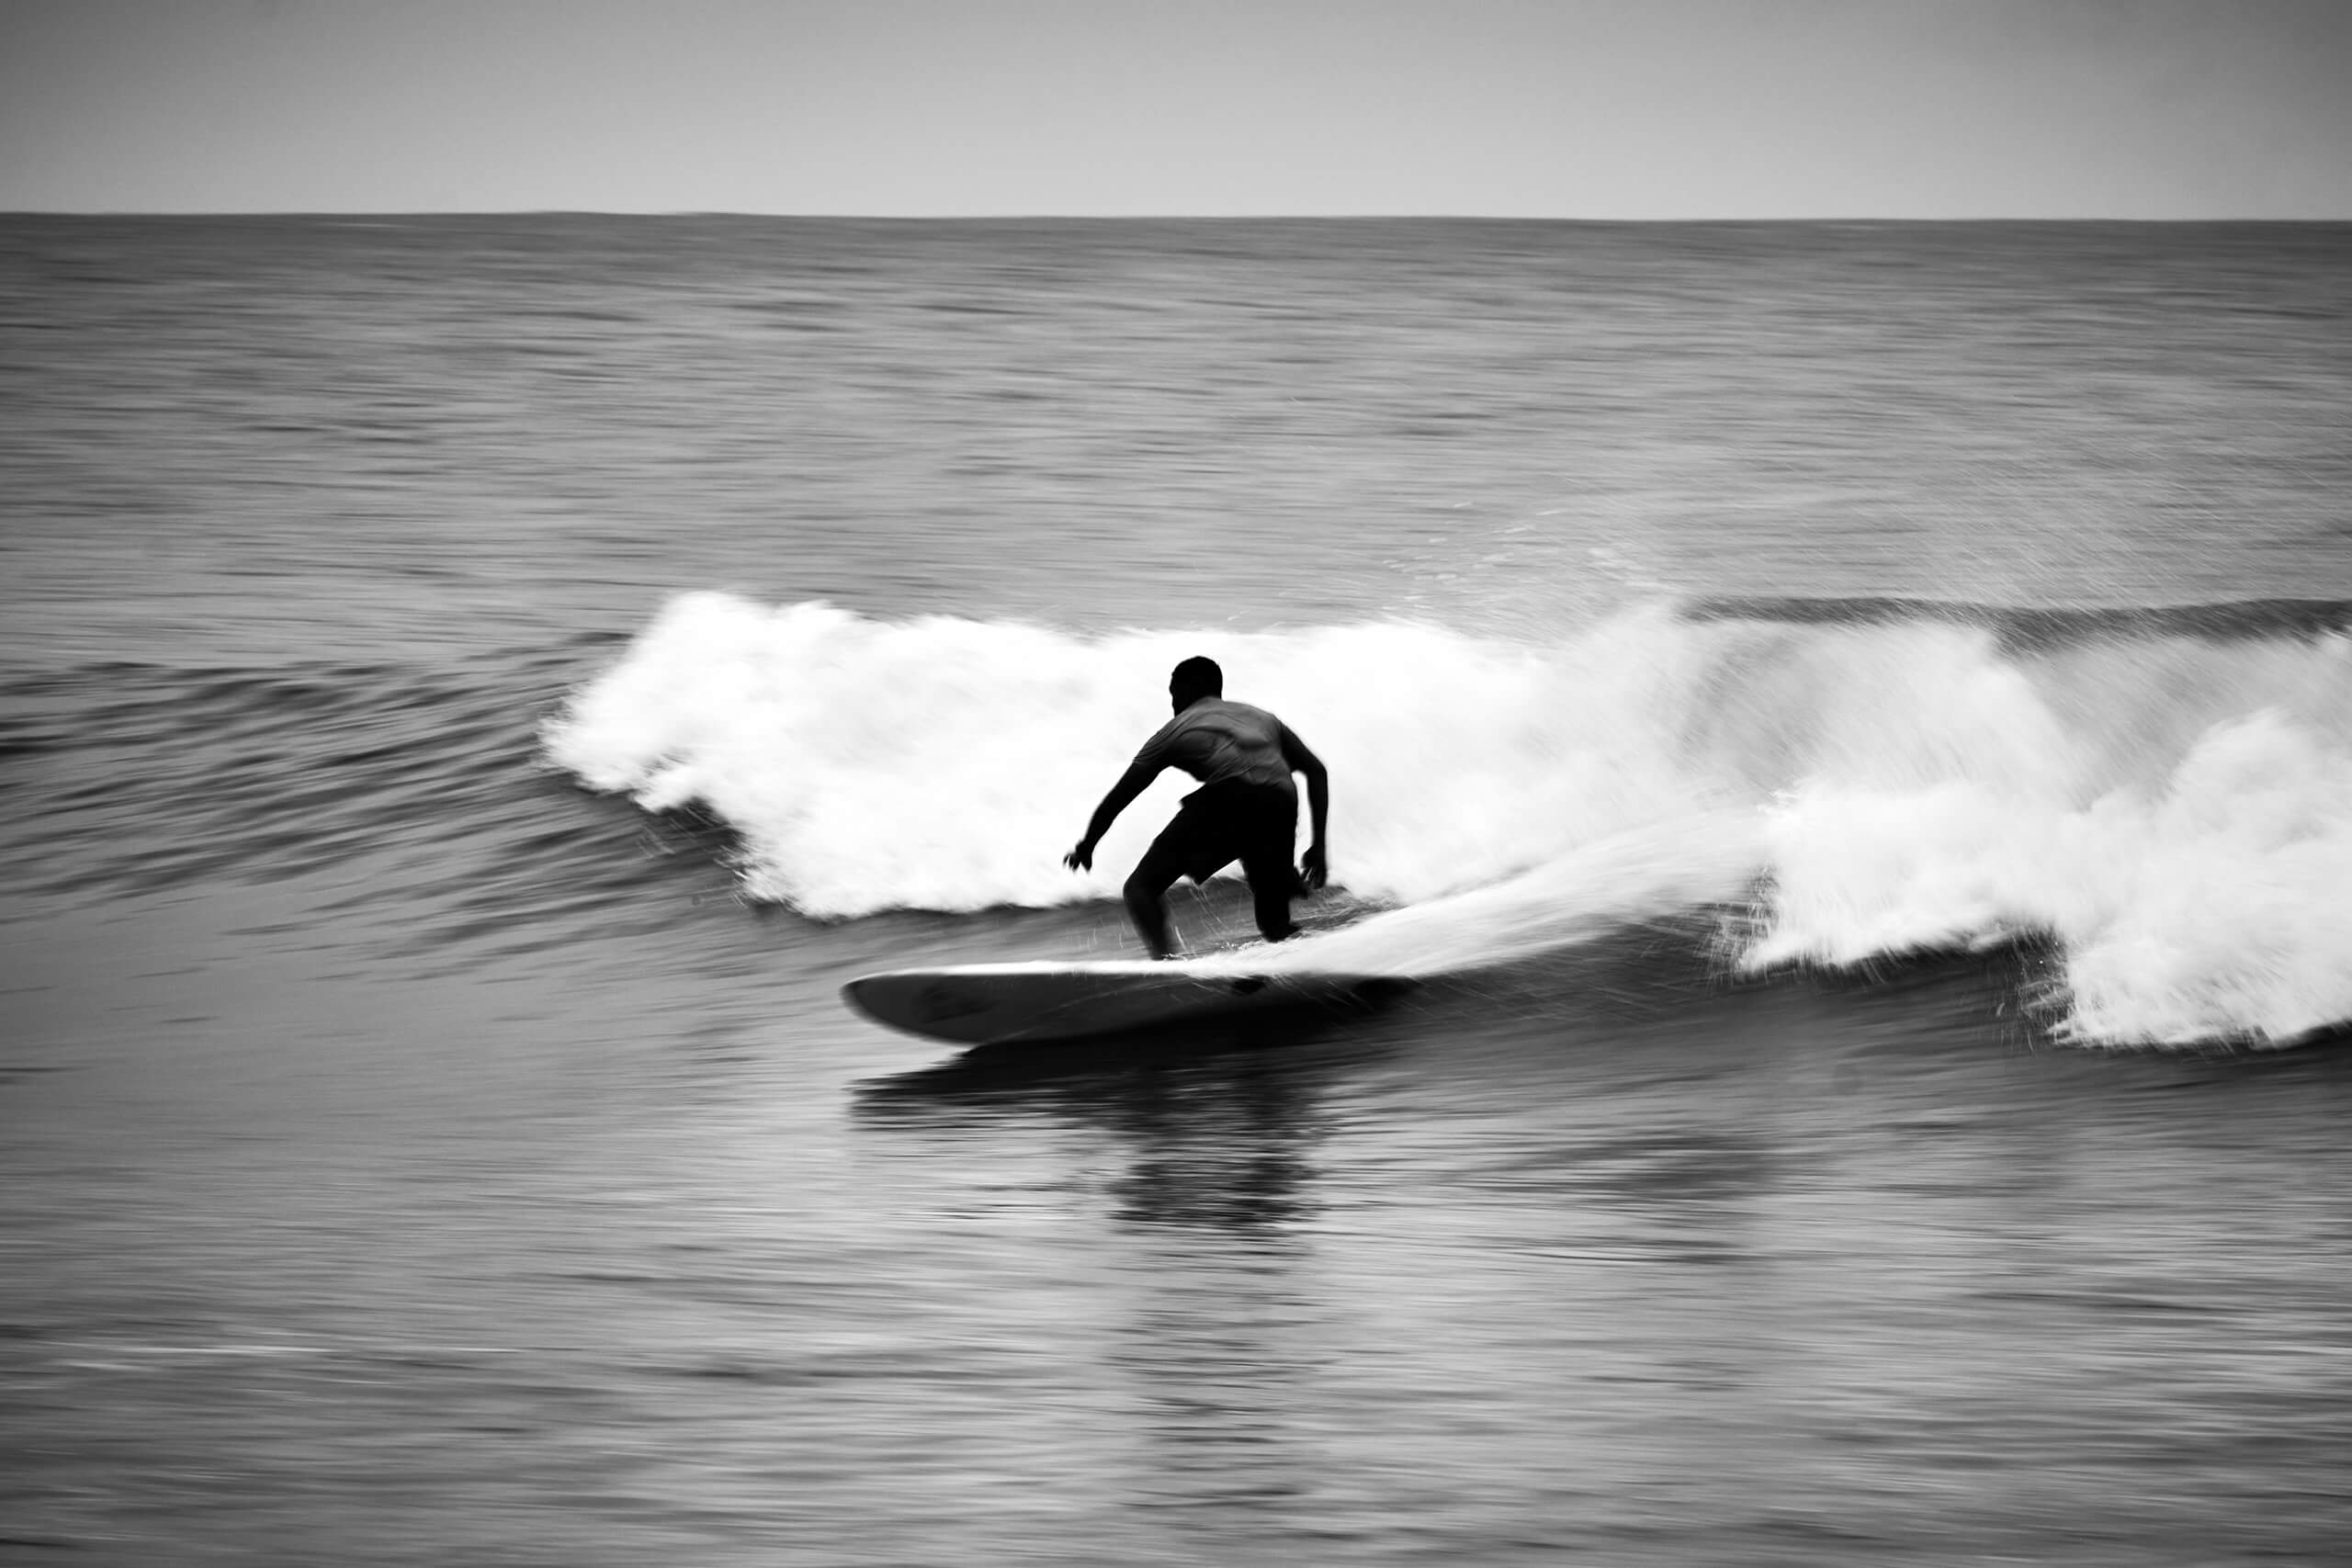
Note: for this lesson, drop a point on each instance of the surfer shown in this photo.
(1245, 809)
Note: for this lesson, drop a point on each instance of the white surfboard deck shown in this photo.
(990, 1004)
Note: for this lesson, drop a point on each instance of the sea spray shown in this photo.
(2174, 810)
(1694, 862)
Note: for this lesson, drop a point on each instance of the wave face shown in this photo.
(2166, 793)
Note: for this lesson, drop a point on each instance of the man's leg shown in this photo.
(1272, 830)
(1270, 885)
(1146, 889)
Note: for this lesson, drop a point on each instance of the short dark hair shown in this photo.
(1197, 674)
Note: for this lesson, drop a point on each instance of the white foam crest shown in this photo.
(948, 765)
(2223, 906)
(2194, 898)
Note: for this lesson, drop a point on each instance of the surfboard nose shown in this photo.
(862, 995)
(928, 1003)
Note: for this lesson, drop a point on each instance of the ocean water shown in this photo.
(1850, 725)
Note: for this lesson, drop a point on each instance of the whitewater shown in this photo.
(2172, 809)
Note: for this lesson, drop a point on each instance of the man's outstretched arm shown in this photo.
(1133, 783)
(1315, 864)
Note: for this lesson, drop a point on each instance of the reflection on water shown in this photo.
(1214, 1126)
(1215, 1329)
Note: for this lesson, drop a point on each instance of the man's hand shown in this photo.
(1082, 857)
(1312, 869)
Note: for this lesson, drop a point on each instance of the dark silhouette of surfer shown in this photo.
(1245, 809)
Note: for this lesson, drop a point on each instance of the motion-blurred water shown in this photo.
(1854, 724)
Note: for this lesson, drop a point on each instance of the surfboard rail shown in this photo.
(990, 1004)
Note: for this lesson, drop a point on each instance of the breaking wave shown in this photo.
(2167, 793)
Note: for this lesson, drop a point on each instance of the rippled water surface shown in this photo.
(409, 1155)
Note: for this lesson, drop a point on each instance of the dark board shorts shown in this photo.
(1221, 823)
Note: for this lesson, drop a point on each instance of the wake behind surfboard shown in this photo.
(989, 1004)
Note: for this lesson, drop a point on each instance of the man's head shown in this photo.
(1192, 680)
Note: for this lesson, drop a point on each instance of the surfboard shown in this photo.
(991, 1004)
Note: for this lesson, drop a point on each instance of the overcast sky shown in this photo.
(1571, 108)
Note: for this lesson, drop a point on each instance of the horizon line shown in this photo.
(365, 214)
